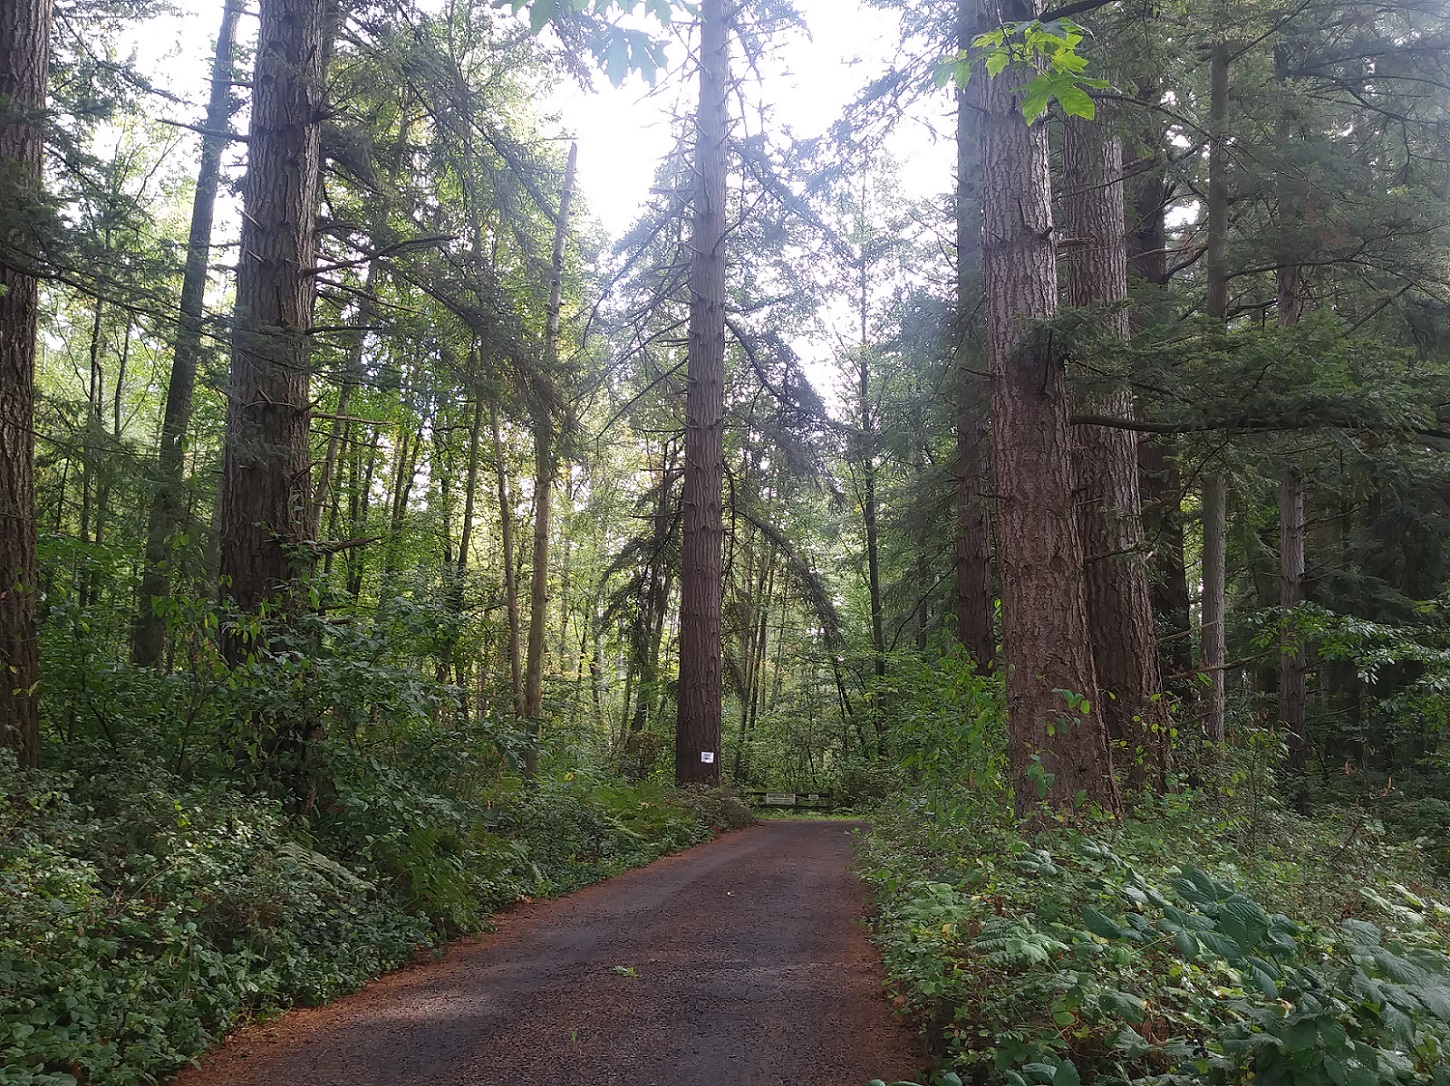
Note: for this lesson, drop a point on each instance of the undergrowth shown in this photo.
(1203, 941)
(142, 914)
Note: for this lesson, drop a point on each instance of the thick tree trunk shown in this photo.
(1213, 645)
(1120, 604)
(265, 500)
(265, 475)
(975, 626)
(166, 517)
(697, 730)
(24, 60)
(1057, 743)
(546, 459)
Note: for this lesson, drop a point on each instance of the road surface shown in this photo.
(742, 962)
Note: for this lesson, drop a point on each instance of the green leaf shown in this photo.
(1066, 1075)
(1037, 98)
(1077, 103)
(541, 13)
(1127, 1007)
(1102, 925)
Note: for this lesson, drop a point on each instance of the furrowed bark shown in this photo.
(697, 730)
(1055, 749)
(24, 62)
(1120, 604)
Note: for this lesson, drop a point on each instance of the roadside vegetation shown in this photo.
(1211, 936)
(143, 913)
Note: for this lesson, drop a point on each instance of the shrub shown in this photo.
(1163, 953)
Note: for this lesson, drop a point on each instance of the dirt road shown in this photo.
(739, 963)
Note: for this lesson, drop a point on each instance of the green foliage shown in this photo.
(1048, 48)
(1118, 957)
(619, 50)
(948, 723)
(142, 914)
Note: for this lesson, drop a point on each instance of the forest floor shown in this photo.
(742, 962)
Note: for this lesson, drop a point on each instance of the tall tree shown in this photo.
(1057, 743)
(701, 687)
(1120, 603)
(264, 503)
(973, 540)
(1212, 636)
(1290, 306)
(167, 504)
(546, 456)
(24, 60)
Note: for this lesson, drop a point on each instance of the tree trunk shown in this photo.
(1292, 671)
(510, 573)
(265, 499)
(1120, 603)
(697, 729)
(166, 517)
(265, 476)
(361, 318)
(1057, 747)
(546, 460)
(358, 515)
(975, 627)
(24, 60)
(868, 517)
(1214, 651)
(1215, 552)
(1160, 484)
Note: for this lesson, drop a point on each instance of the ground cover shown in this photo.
(1210, 938)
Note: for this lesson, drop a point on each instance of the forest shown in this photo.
(383, 543)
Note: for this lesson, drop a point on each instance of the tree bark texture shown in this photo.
(697, 730)
(975, 625)
(546, 459)
(266, 469)
(1053, 748)
(1119, 600)
(24, 61)
(167, 503)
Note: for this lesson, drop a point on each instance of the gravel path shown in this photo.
(750, 967)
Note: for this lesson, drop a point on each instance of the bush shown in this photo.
(1162, 952)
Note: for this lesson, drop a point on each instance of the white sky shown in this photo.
(623, 133)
